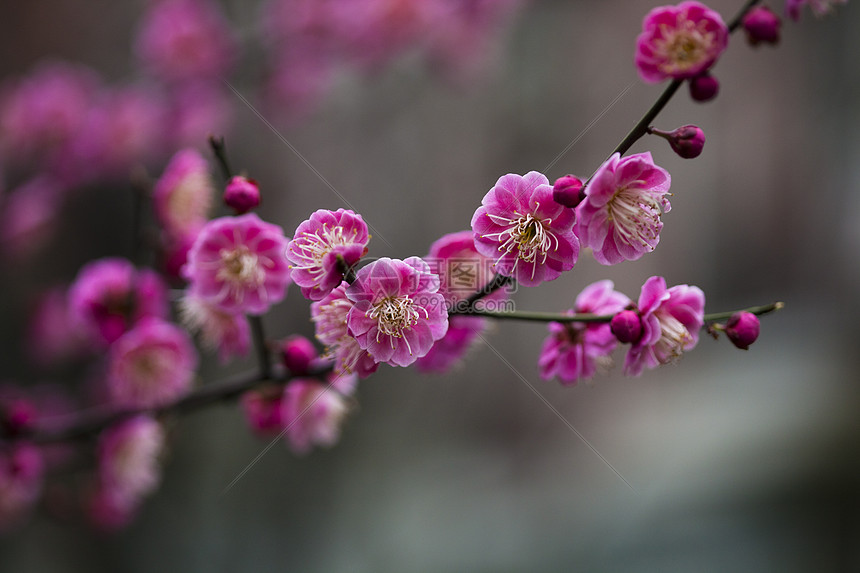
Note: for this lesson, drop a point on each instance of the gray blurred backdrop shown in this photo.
(741, 461)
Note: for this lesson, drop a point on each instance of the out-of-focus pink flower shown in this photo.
(128, 470)
(620, 216)
(671, 320)
(196, 110)
(323, 248)
(123, 130)
(41, 112)
(28, 217)
(574, 351)
(519, 219)
(397, 313)
(462, 272)
(21, 471)
(264, 411)
(51, 335)
(109, 296)
(185, 39)
(330, 322)
(239, 264)
(818, 7)
(314, 411)
(298, 354)
(679, 42)
(150, 365)
(183, 195)
(227, 333)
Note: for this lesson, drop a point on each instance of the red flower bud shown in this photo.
(242, 194)
(704, 87)
(742, 329)
(568, 191)
(626, 326)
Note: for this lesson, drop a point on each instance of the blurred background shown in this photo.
(739, 461)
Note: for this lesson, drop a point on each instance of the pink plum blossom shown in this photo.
(183, 194)
(330, 322)
(314, 411)
(227, 333)
(128, 470)
(109, 296)
(150, 365)
(323, 248)
(574, 351)
(529, 235)
(397, 312)
(239, 264)
(29, 216)
(185, 39)
(21, 476)
(264, 411)
(679, 42)
(462, 271)
(671, 320)
(818, 7)
(619, 219)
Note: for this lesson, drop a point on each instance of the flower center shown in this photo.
(313, 247)
(240, 268)
(636, 214)
(529, 235)
(395, 315)
(674, 338)
(684, 47)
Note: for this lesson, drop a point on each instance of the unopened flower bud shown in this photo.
(242, 194)
(568, 191)
(298, 353)
(626, 326)
(687, 141)
(761, 26)
(742, 329)
(704, 87)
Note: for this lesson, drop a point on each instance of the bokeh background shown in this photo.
(740, 461)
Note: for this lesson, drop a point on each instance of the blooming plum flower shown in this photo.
(574, 351)
(183, 195)
(109, 296)
(238, 264)
(534, 234)
(128, 470)
(227, 333)
(620, 216)
(671, 320)
(679, 42)
(330, 321)
(150, 365)
(323, 248)
(397, 312)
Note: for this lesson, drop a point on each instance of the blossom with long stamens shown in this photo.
(671, 320)
(620, 215)
(323, 248)
(238, 264)
(679, 42)
(397, 312)
(527, 233)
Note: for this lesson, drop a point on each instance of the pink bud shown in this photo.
(264, 410)
(762, 26)
(567, 191)
(742, 329)
(704, 87)
(687, 141)
(298, 353)
(242, 194)
(626, 326)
